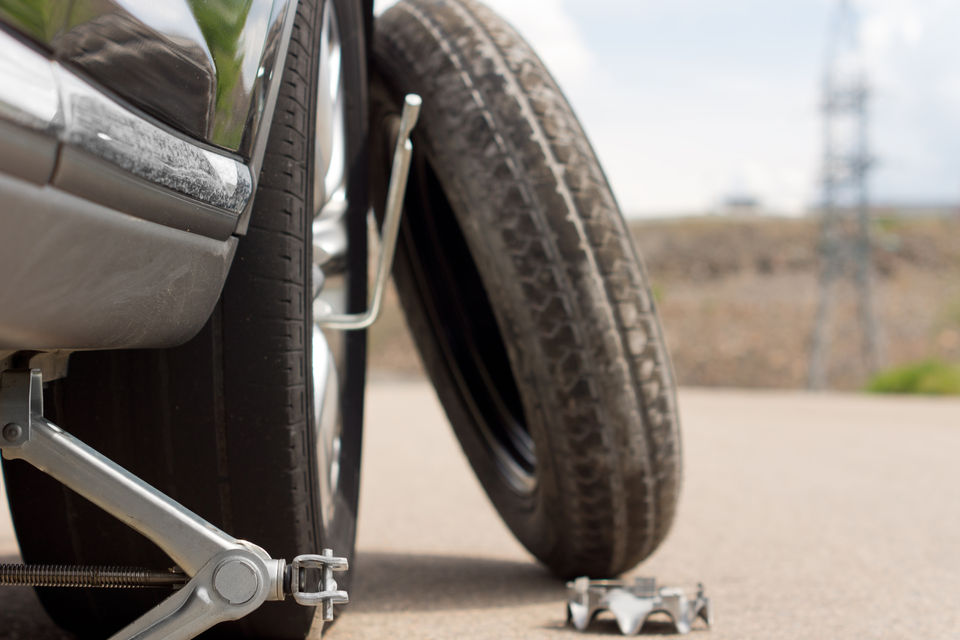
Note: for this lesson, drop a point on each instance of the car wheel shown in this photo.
(256, 423)
(525, 296)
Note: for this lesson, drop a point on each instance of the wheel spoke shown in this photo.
(329, 153)
(329, 247)
(335, 178)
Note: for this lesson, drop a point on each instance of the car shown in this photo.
(187, 191)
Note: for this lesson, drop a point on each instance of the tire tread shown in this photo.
(563, 249)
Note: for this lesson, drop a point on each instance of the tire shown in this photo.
(525, 296)
(225, 424)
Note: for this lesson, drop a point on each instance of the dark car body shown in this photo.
(131, 138)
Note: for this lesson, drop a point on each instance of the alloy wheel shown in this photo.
(329, 250)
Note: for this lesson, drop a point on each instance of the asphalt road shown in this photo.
(806, 516)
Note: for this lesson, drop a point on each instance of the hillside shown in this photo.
(738, 297)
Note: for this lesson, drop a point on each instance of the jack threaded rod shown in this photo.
(57, 575)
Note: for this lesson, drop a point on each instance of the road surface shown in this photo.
(806, 516)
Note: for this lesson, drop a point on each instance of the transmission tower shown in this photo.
(845, 247)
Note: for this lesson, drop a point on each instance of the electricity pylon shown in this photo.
(845, 247)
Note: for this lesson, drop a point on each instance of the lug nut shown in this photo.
(12, 432)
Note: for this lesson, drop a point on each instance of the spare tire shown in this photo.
(527, 301)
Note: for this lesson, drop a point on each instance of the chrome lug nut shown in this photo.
(12, 432)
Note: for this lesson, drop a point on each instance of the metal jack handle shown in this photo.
(391, 223)
(229, 578)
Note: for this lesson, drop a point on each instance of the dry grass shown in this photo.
(737, 299)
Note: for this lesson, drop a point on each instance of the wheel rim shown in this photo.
(329, 248)
(466, 330)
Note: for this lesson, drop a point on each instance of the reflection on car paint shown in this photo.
(203, 67)
(43, 96)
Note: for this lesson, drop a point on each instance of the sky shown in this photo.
(688, 102)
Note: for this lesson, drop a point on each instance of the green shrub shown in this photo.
(931, 377)
(657, 289)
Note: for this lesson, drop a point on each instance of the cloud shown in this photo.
(687, 101)
(909, 48)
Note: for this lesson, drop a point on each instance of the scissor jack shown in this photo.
(222, 578)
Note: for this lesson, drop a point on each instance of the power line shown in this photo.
(845, 245)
